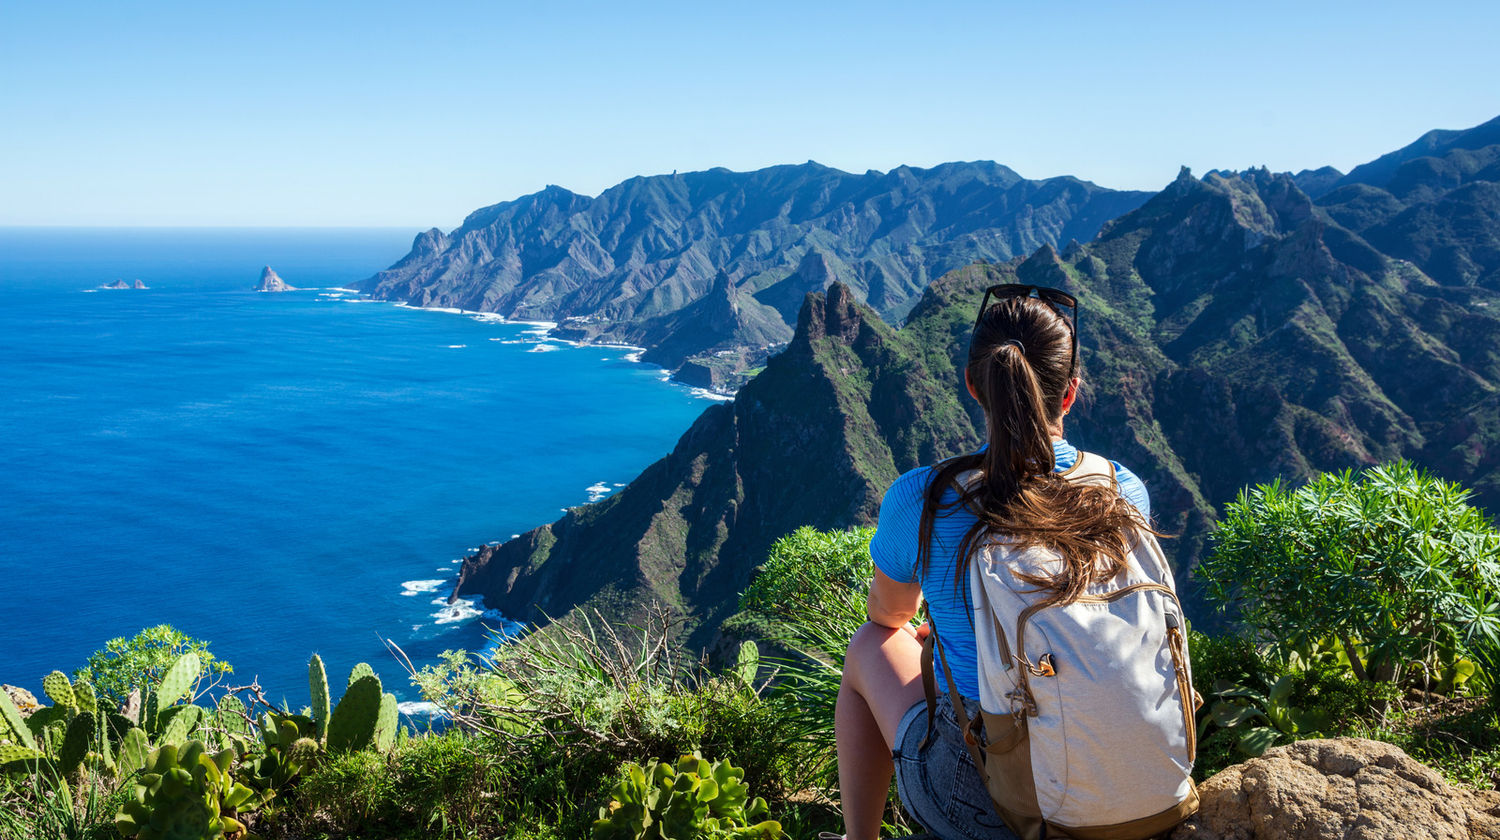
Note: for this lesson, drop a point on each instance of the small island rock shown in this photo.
(270, 281)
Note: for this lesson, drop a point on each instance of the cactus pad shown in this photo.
(360, 669)
(317, 683)
(12, 725)
(11, 752)
(134, 750)
(352, 724)
(386, 723)
(57, 687)
(75, 743)
(177, 683)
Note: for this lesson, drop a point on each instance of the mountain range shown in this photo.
(712, 266)
(1234, 329)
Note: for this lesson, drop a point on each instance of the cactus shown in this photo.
(12, 725)
(360, 670)
(317, 683)
(178, 722)
(56, 686)
(75, 745)
(386, 723)
(83, 693)
(134, 751)
(747, 664)
(352, 724)
(177, 683)
(11, 752)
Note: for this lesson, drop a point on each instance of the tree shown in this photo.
(138, 662)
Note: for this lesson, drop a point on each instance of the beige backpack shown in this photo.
(1087, 707)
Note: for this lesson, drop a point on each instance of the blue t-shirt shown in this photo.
(894, 550)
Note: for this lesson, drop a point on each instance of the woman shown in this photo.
(1023, 370)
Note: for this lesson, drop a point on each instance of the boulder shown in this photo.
(1338, 789)
(25, 701)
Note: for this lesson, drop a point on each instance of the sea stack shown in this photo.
(270, 281)
(139, 285)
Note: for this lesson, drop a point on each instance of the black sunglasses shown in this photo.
(1056, 297)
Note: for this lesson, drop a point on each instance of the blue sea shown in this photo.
(279, 474)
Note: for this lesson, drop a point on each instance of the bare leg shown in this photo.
(882, 679)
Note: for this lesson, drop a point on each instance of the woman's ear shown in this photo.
(975, 394)
(1070, 396)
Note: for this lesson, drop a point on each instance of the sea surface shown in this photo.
(279, 474)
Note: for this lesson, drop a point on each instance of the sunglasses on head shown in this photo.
(1056, 297)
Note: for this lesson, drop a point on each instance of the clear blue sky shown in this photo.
(192, 113)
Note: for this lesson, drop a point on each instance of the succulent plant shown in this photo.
(353, 722)
(317, 685)
(56, 686)
(693, 799)
(13, 726)
(184, 794)
(359, 671)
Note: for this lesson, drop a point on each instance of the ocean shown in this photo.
(279, 474)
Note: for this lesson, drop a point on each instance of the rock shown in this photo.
(118, 284)
(24, 700)
(1338, 789)
(270, 281)
(139, 285)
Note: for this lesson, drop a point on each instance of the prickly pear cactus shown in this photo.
(58, 688)
(75, 745)
(13, 752)
(317, 684)
(13, 726)
(386, 723)
(359, 671)
(748, 664)
(134, 751)
(178, 722)
(352, 724)
(177, 683)
(84, 694)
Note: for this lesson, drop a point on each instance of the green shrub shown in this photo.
(124, 665)
(1392, 563)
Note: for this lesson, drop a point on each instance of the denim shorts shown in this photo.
(939, 786)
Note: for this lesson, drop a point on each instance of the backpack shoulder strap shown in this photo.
(1091, 469)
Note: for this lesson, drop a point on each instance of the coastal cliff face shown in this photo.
(701, 262)
(814, 439)
(1233, 332)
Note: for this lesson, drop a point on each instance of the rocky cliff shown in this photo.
(270, 281)
(692, 264)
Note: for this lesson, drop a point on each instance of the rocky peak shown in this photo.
(833, 314)
(270, 281)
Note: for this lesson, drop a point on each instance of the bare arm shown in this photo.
(892, 604)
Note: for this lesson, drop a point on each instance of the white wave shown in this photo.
(363, 300)
(460, 611)
(88, 291)
(634, 357)
(598, 491)
(619, 484)
(419, 708)
(457, 346)
(498, 339)
(704, 394)
(489, 317)
(515, 536)
(542, 348)
(421, 587)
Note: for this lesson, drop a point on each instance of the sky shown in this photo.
(413, 115)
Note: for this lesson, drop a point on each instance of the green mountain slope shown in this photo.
(1233, 332)
(626, 265)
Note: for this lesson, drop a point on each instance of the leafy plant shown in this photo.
(184, 794)
(693, 799)
(1393, 560)
(125, 665)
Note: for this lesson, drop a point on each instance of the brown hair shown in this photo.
(1020, 366)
